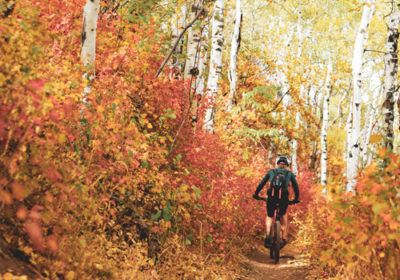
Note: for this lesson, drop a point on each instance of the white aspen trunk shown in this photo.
(295, 167)
(325, 123)
(389, 86)
(339, 114)
(199, 83)
(178, 24)
(367, 134)
(347, 143)
(200, 80)
(193, 44)
(215, 63)
(89, 29)
(368, 11)
(232, 74)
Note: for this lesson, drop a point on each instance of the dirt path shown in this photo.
(260, 266)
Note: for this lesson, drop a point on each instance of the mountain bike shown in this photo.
(275, 231)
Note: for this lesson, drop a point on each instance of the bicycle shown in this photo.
(275, 231)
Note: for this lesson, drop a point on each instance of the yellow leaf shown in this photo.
(70, 275)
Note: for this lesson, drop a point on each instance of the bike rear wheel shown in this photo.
(277, 241)
(272, 242)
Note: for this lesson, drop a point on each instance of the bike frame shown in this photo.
(275, 232)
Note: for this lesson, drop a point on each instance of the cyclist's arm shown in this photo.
(262, 183)
(295, 186)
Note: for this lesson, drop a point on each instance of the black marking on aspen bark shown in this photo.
(83, 34)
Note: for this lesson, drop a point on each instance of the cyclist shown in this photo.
(283, 164)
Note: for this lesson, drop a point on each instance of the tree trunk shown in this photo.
(300, 33)
(324, 129)
(347, 143)
(235, 45)
(367, 131)
(178, 24)
(389, 86)
(367, 14)
(89, 29)
(200, 79)
(193, 44)
(215, 63)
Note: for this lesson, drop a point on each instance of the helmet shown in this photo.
(283, 159)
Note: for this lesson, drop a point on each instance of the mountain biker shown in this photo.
(283, 164)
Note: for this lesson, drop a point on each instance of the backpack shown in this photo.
(278, 183)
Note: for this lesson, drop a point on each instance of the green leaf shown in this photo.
(157, 215)
(197, 192)
(167, 214)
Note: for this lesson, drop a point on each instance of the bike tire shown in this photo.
(272, 244)
(277, 243)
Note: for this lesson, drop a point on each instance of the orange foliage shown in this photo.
(356, 236)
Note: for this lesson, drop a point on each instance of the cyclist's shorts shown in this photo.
(271, 205)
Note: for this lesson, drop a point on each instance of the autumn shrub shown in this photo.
(357, 236)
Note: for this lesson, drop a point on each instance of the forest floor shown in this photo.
(259, 266)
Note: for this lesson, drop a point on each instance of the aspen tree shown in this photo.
(193, 42)
(88, 35)
(217, 43)
(389, 86)
(297, 120)
(325, 123)
(367, 131)
(236, 37)
(202, 63)
(200, 79)
(178, 24)
(368, 11)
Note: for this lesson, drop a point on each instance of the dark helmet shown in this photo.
(283, 159)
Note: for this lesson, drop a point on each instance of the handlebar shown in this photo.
(291, 202)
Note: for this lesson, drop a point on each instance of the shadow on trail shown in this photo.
(263, 256)
(259, 265)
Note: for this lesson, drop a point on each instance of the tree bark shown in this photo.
(200, 79)
(389, 86)
(325, 123)
(88, 35)
(367, 131)
(215, 63)
(175, 44)
(178, 25)
(89, 28)
(193, 43)
(368, 10)
(235, 45)
(301, 95)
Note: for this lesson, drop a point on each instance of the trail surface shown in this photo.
(260, 266)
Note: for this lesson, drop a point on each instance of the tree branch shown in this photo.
(279, 102)
(176, 43)
(366, 50)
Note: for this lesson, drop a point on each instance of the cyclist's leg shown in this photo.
(284, 226)
(268, 223)
(270, 214)
(284, 220)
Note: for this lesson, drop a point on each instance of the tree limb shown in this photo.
(176, 43)
(279, 102)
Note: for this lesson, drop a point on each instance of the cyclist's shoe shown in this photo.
(267, 242)
(283, 243)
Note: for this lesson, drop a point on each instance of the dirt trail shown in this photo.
(260, 266)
